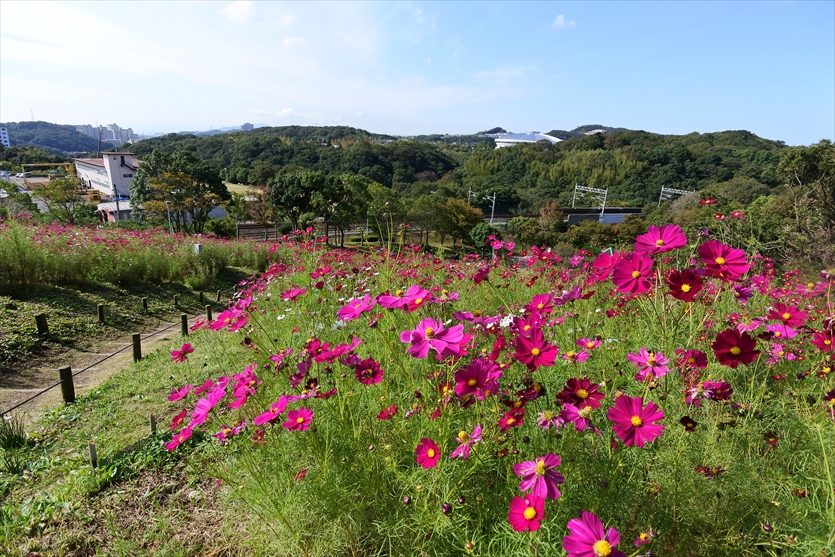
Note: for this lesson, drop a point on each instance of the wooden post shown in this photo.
(67, 388)
(100, 308)
(201, 297)
(153, 425)
(94, 458)
(145, 303)
(184, 323)
(176, 301)
(208, 313)
(40, 321)
(137, 347)
(218, 296)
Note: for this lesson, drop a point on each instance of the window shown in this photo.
(127, 175)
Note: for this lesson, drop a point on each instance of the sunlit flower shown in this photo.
(632, 274)
(540, 476)
(660, 239)
(633, 423)
(432, 334)
(733, 348)
(650, 365)
(588, 539)
(526, 513)
(181, 355)
(684, 285)
(465, 441)
(581, 393)
(723, 261)
(427, 453)
(298, 420)
(534, 351)
(789, 315)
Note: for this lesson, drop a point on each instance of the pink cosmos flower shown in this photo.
(534, 351)
(356, 307)
(632, 274)
(298, 420)
(177, 421)
(578, 416)
(208, 384)
(387, 413)
(540, 476)
(179, 438)
(824, 340)
(789, 315)
(181, 355)
(292, 294)
(660, 240)
(465, 441)
(781, 331)
(650, 364)
(633, 423)
(691, 359)
(543, 303)
(432, 334)
(603, 266)
(588, 344)
(548, 418)
(480, 378)
(576, 357)
(225, 318)
(181, 393)
(526, 512)
(368, 372)
(723, 261)
(276, 409)
(512, 418)
(205, 405)
(581, 393)
(587, 538)
(415, 297)
(427, 453)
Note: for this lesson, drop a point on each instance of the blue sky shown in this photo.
(415, 68)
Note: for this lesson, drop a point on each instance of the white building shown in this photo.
(4, 137)
(511, 139)
(111, 175)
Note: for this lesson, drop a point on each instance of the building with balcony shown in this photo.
(112, 174)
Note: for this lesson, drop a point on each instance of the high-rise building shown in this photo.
(4, 137)
(246, 127)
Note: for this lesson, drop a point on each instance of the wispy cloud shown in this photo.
(561, 23)
(239, 11)
(292, 42)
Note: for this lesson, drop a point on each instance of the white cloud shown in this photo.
(562, 23)
(292, 42)
(285, 19)
(239, 11)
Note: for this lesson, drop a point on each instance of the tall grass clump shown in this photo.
(680, 393)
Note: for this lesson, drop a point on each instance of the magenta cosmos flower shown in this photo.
(650, 364)
(581, 393)
(660, 240)
(368, 372)
(633, 423)
(298, 420)
(732, 348)
(632, 274)
(181, 355)
(179, 438)
(587, 538)
(480, 378)
(533, 351)
(824, 340)
(723, 261)
(684, 285)
(465, 441)
(276, 409)
(356, 307)
(526, 512)
(540, 476)
(181, 393)
(432, 334)
(789, 315)
(427, 453)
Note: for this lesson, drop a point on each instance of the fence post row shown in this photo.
(100, 309)
(184, 323)
(208, 313)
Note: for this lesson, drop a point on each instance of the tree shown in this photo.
(179, 178)
(291, 193)
(63, 202)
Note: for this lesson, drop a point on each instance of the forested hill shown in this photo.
(54, 138)
(633, 165)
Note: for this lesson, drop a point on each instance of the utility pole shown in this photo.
(470, 193)
(168, 209)
(493, 210)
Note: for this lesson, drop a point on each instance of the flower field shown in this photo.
(34, 254)
(675, 399)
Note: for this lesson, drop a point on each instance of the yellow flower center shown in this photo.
(659, 242)
(720, 260)
(643, 536)
(477, 313)
(540, 306)
(526, 327)
(571, 354)
(463, 436)
(686, 287)
(637, 421)
(540, 467)
(652, 361)
(827, 342)
(778, 334)
(535, 351)
(299, 420)
(430, 332)
(530, 513)
(548, 415)
(787, 315)
(430, 453)
(585, 412)
(472, 382)
(736, 350)
(511, 421)
(589, 344)
(602, 548)
(691, 360)
(810, 285)
(636, 274)
(418, 301)
(582, 393)
(398, 293)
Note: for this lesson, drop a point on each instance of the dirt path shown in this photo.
(18, 386)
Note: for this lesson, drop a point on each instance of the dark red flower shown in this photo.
(684, 285)
(733, 348)
(581, 393)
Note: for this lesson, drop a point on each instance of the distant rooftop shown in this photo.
(528, 137)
